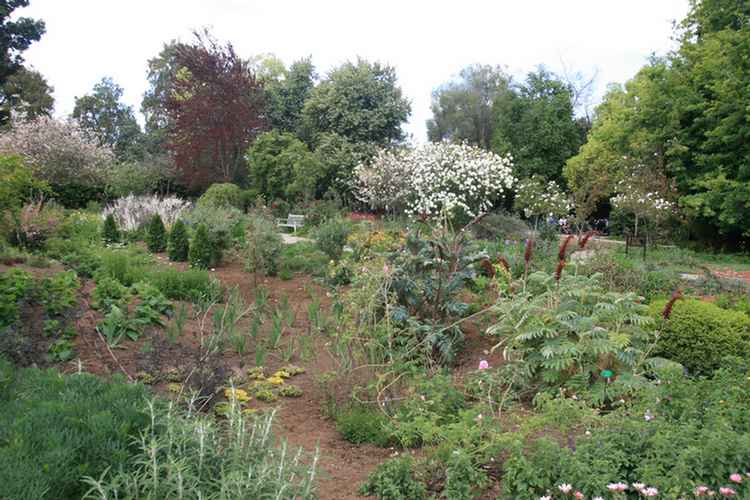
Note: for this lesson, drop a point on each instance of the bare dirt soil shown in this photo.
(302, 421)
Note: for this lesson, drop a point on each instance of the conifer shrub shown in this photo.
(110, 233)
(699, 334)
(156, 236)
(200, 250)
(178, 246)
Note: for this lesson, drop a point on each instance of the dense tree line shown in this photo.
(677, 131)
(680, 127)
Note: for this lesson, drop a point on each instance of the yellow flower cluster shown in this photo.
(377, 241)
(276, 380)
(281, 374)
(240, 395)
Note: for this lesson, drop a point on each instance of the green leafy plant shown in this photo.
(393, 480)
(565, 330)
(425, 283)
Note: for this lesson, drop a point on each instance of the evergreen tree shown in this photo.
(156, 236)
(200, 251)
(178, 247)
(110, 233)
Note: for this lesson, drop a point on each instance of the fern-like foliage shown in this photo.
(575, 334)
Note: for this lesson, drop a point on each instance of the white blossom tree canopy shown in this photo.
(447, 178)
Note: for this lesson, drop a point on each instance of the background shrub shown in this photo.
(200, 250)
(364, 425)
(262, 245)
(178, 246)
(699, 334)
(498, 226)
(222, 195)
(156, 236)
(331, 235)
(223, 225)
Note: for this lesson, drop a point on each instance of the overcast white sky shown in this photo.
(426, 41)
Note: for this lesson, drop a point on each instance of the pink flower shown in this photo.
(735, 477)
(617, 486)
(229, 216)
(385, 268)
(578, 495)
(565, 488)
(727, 491)
(483, 365)
(650, 492)
(639, 486)
(700, 490)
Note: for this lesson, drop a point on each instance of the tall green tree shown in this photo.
(160, 71)
(359, 102)
(537, 127)
(468, 109)
(713, 162)
(15, 37)
(107, 119)
(633, 134)
(275, 161)
(287, 96)
(27, 94)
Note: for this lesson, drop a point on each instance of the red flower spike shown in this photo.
(559, 270)
(564, 248)
(504, 263)
(527, 253)
(668, 308)
(585, 239)
(490, 269)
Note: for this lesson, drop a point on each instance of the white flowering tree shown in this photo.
(536, 197)
(651, 206)
(456, 180)
(60, 151)
(384, 181)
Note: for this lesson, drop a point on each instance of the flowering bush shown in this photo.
(384, 181)
(60, 151)
(33, 226)
(456, 179)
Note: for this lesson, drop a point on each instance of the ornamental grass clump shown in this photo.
(135, 212)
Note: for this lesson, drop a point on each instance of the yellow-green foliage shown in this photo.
(222, 195)
(699, 334)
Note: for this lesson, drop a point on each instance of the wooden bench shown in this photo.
(292, 220)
